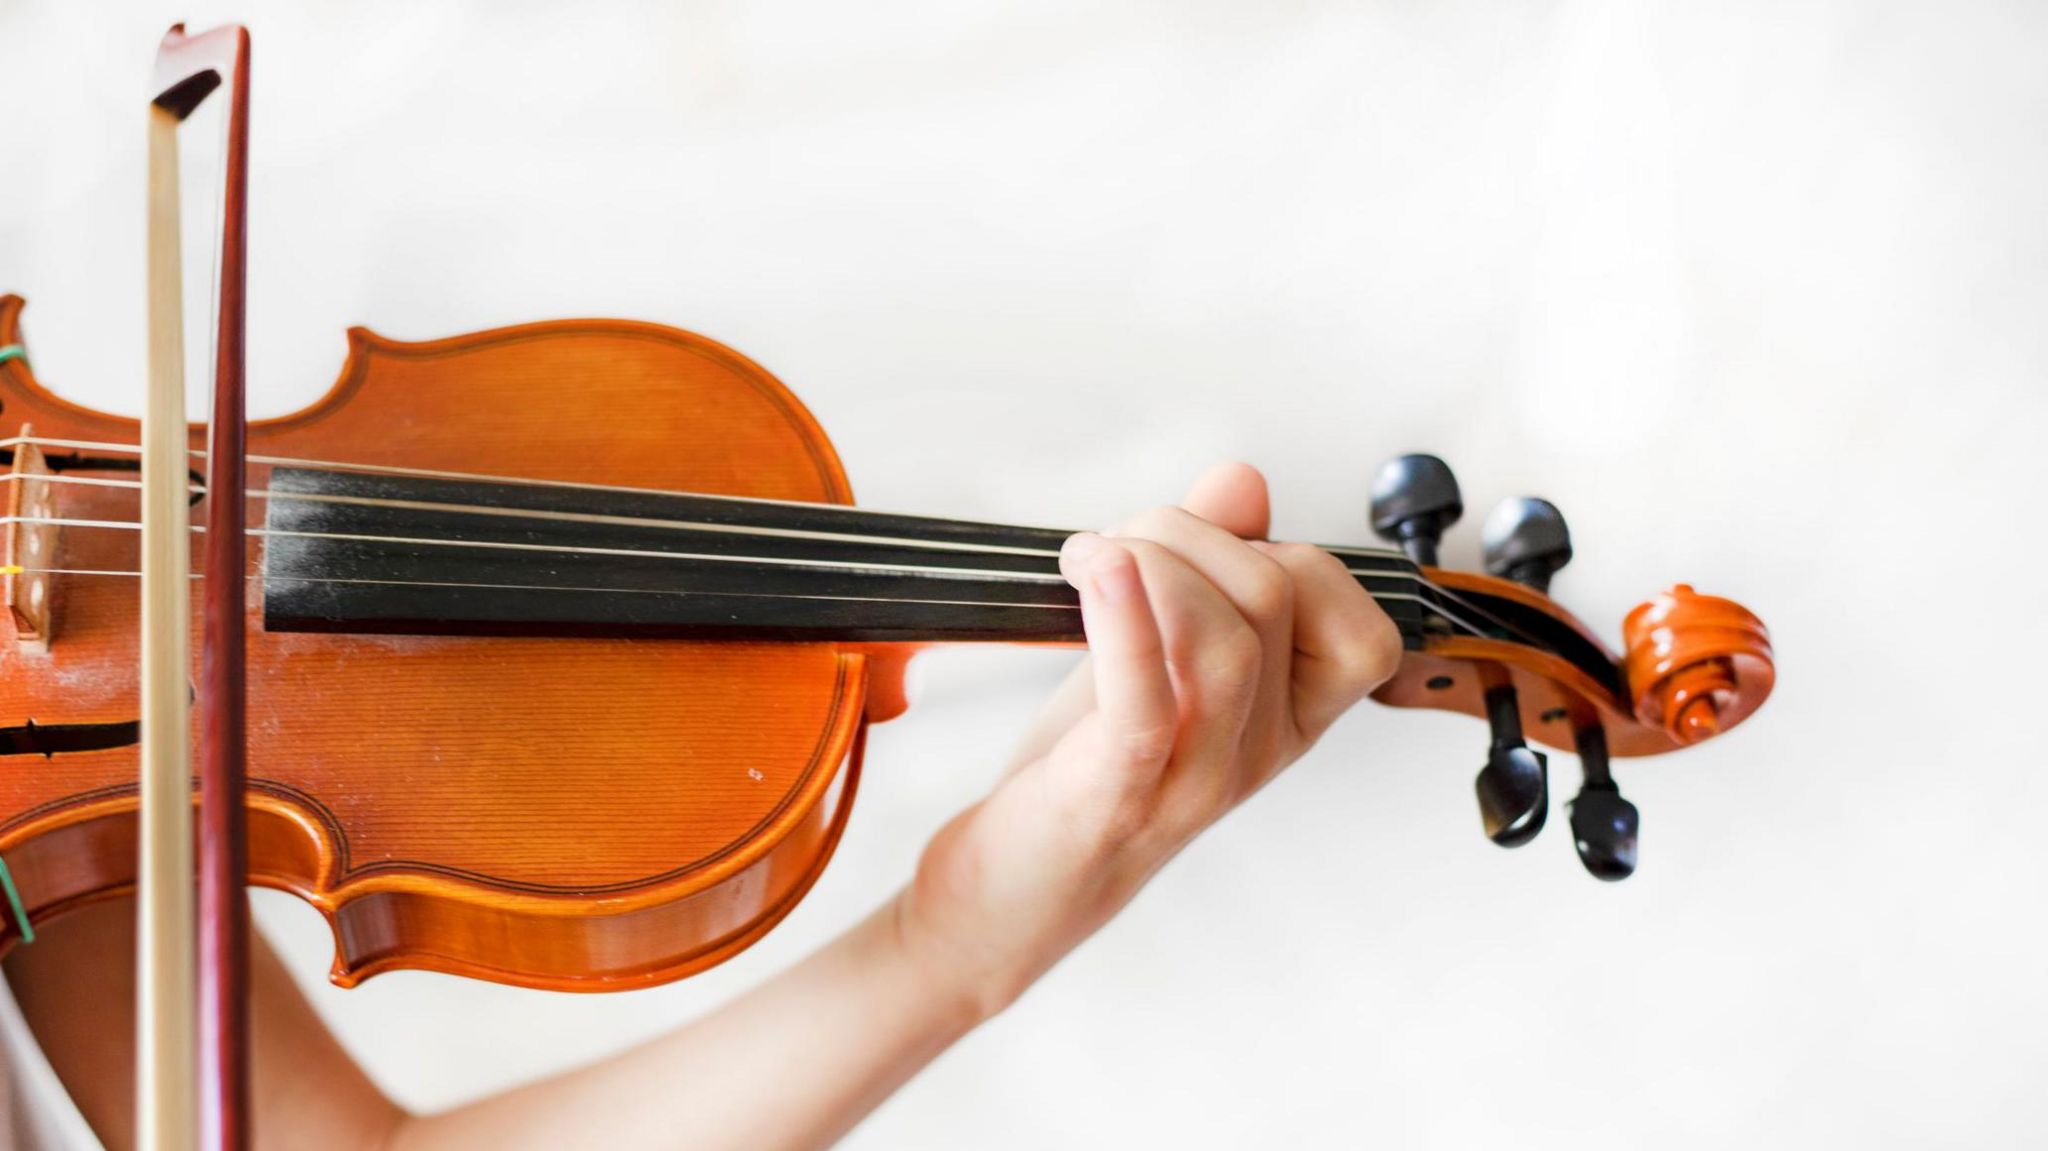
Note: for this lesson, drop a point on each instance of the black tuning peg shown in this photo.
(1525, 540)
(1604, 825)
(1514, 786)
(1414, 498)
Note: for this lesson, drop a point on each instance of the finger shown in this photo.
(1261, 591)
(1344, 644)
(1136, 712)
(1215, 661)
(1212, 651)
(1233, 497)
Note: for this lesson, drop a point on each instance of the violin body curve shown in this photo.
(563, 813)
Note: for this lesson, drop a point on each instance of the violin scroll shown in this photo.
(1696, 665)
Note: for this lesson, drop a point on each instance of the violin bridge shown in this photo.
(31, 545)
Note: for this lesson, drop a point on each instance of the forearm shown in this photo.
(793, 1064)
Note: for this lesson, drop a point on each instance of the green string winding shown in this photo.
(28, 932)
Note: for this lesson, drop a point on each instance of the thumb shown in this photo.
(1233, 497)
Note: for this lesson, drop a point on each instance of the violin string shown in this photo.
(577, 517)
(1452, 618)
(1490, 617)
(612, 520)
(920, 600)
(616, 521)
(17, 569)
(433, 473)
(90, 481)
(1459, 625)
(647, 553)
(625, 590)
(604, 519)
(708, 557)
(780, 561)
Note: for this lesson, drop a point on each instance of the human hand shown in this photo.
(1215, 660)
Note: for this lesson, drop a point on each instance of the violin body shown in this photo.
(569, 813)
(587, 812)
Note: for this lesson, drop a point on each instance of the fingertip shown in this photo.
(1232, 496)
(1234, 472)
(1075, 553)
(1080, 544)
(1096, 567)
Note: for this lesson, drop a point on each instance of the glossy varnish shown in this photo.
(554, 812)
(595, 813)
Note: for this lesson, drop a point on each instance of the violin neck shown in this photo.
(366, 552)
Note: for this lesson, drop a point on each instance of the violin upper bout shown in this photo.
(1695, 665)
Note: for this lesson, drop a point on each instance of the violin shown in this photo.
(563, 638)
(559, 643)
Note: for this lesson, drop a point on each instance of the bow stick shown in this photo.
(191, 1003)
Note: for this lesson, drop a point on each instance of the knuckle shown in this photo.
(1234, 662)
(1143, 550)
(1268, 594)
(1155, 521)
(1374, 654)
(1318, 558)
(1295, 554)
(1336, 574)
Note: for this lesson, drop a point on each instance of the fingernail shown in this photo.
(1075, 552)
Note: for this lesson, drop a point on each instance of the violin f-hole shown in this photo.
(49, 739)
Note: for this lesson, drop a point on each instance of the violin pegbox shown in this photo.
(1497, 646)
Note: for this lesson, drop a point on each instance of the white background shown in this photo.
(1753, 290)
